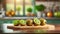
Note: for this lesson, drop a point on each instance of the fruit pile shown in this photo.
(57, 14)
(10, 13)
(30, 22)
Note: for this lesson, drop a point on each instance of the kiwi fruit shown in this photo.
(36, 22)
(43, 21)
(29, 22)
(15, 22)
(22, 22)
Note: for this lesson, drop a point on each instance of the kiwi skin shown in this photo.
(16, 25)
(36, 24)
(42, 24)
(22, 24)
(29, 22)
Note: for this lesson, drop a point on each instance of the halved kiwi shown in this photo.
(15, 22)
(22, 22)
(36, 22)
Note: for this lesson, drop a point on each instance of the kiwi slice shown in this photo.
(22, 22)
(15, 22)
(37, 21)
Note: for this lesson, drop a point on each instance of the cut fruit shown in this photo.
(22, 22)
(15, 22)
(36, 21)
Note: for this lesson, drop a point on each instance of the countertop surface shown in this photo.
(6, 30)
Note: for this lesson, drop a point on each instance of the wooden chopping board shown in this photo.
(45, 27)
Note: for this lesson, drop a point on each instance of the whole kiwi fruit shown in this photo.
(29, 22)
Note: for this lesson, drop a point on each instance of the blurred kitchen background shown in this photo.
(24, 9)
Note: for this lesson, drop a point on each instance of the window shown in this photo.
(9, 5)
(20, 6)
(28, 4)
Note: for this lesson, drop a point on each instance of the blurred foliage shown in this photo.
(1, 1)
(18, 8)
(29, 9)
(40, 7)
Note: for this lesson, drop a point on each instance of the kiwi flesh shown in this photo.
(36, 22)
(15, 22)
(22, 22)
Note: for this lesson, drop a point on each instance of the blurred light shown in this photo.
(17, 0)
(48, 14)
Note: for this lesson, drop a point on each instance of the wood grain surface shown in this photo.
(57, 29)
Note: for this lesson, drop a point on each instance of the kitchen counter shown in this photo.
(57, 29)
(6, 30)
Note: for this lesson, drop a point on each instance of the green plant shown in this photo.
(29, 9)
(18, 8)
(40, 7)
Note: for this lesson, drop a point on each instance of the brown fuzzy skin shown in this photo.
(36, 25)
(16, 25)
(29, 22)
(22, 25)
(42, 24)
